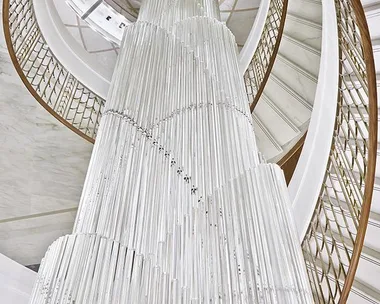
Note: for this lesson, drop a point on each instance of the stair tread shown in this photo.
(293, 76)
(266, 143)
(301, 54)
(307, 9)
(283, 130)
(304, 30)
(372, 294)
(297, 68)
(290, 102)
(359, 297)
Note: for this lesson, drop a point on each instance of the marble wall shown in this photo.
(42, 170)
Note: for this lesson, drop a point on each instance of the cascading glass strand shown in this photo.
(177, 206)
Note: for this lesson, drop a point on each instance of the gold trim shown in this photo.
(289, 161)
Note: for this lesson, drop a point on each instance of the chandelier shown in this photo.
(178, 205)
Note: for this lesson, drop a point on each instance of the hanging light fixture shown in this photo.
(178, 206)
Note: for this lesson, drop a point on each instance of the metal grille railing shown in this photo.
(334, 240)
(262, 62)
(45, 77)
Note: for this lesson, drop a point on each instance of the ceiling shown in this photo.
(100, 49)
(239, 16)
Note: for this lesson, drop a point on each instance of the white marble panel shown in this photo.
(42, 170)
(26, 241)
(310, 10)
(296, 78)
(240, 23)
(301, 55)
(293, 105)
(304, 31)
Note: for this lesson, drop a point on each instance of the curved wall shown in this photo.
(63, 45)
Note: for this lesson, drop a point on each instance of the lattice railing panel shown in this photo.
(261, 64)
(48, 80)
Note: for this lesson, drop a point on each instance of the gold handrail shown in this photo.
(260, 67)
(50, 83)
(335, 237)
(289, 161)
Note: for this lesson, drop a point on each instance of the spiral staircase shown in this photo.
(289, 94)
(310, 80)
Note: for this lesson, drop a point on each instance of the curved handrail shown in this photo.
(289, 161)
(309, 175)
(335, 237)
(260, 67)
(50, 83)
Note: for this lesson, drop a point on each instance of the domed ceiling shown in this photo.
(97, 26)
(103, 51)
(239, 15)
